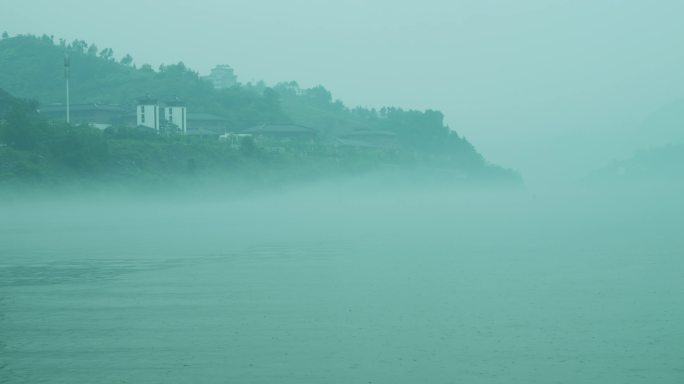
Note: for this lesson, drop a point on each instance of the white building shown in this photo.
(222, 77)
(148, 114)
(175, 114)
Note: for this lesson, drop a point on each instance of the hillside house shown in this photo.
(222, 77)
(200, 121)
(283, 132)
(168, 117)
(98, 115)
(171, 116)
(369, 139)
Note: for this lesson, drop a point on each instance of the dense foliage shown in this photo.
(31, 67)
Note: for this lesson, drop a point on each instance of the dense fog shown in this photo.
(347, 281)
(345, 192)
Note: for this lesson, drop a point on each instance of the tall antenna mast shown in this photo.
(67, 68)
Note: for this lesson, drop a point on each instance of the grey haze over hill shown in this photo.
(525, 81)
(385, 255)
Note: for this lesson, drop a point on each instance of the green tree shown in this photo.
(248, 146)
(127, 60)
(79, 148)
(320, 95)
(21, 130)
(79, 46)
(107, 54)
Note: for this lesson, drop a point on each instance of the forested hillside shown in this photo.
(31, 68)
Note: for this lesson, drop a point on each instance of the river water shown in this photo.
(343, 287)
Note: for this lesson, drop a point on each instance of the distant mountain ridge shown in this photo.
(665, 125)
(658, 165)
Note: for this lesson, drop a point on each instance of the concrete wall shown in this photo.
(148, 116)
(177, 115)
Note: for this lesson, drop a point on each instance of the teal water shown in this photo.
(326, 288)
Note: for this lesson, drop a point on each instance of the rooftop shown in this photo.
(204, 117)
(81, 107)
(146, 101)
(279, 128)
(368, 134)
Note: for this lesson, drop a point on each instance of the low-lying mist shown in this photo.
(380, 279)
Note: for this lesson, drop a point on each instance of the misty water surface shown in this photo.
(342, 284)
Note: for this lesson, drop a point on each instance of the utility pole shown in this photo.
(67, 68)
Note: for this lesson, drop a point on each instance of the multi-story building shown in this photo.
(222, 77)
(148, 114)
(175, 114)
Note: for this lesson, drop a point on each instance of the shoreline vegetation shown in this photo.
(37, 151)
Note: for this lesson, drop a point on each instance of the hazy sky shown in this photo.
(523, 80)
